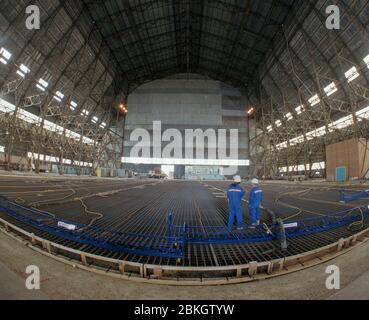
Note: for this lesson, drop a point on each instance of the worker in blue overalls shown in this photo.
(235, 195)
(255, 200)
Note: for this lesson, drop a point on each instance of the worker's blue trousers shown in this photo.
(254, 214)
(235, 213)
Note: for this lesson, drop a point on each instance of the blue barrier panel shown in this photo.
(222, 235)
(172, 245)
(349, 196)
(122, 242)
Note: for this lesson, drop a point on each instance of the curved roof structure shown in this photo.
(308, 83)
(226, 40)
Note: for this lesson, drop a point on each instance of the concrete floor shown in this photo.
(59, 281)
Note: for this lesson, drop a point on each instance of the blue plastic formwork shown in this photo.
(173, 243)
(350, 195)
(222, 235)
(121, 242)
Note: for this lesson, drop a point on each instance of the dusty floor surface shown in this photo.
(59, 281)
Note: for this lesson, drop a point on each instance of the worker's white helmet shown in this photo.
(255, 181)
(237, 179)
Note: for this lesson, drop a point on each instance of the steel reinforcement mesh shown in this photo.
(142, 207)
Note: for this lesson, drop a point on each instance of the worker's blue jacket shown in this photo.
(256, 197)
(235, 194)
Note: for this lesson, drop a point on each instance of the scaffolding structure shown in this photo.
(313, 90)
(69, 123)
(308, 84)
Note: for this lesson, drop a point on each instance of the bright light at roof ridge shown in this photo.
(366, 60)
(47, 158)
(103, 125)
(34, 119)
(360, 112)
(352, 74)
(250, 111)
(24, 69)
(43, 83)
(85, 113)
(315, 166)
(40, 87)
(59, 94)
(341, 123)
(73, 105)
(330, 89)
(289, 116)
(5, 53)
(300, 109)
(314, 100)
